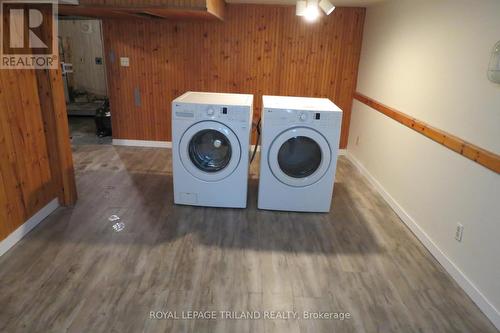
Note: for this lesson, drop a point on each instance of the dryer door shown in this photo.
(299, 156)
(210, 151)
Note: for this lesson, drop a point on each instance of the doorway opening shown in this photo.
(81, 51)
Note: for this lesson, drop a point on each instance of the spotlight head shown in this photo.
(312, 12)
(327, 6)
(300, 8)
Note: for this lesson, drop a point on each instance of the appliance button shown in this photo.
(210, 112)
(302, 116)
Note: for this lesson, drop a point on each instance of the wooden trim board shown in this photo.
(477, 154)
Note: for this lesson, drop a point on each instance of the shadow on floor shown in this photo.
(144, 202)
(83, 131)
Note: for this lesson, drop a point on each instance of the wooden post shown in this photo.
(53, 105)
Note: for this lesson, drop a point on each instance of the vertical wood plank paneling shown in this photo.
(33, 131)
(12, 202)
(5, 210)
(24, 165)
(257, 49)
(34, 144)
(351, 71)
(14, 128)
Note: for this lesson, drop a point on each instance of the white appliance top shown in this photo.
(299, 103)
(215, 98)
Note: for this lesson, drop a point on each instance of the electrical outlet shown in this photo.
(459, 232)
(124, 61)
(357, 140)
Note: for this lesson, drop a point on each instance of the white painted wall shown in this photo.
(429, 59)
(82, 40)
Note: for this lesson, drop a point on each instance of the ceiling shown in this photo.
(339, 3)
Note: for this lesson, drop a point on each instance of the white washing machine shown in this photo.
(210, 148)
(299, 148)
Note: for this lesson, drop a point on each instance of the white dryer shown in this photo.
(300, 140)
(210, 148)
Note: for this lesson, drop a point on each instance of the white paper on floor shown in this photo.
(113, 218)
(119, 226)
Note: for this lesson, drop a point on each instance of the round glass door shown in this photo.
(299, 156)
(209, 150)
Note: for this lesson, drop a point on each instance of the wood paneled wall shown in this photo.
(257, 49)
(25, 178)
(35, 155)
(36, 165)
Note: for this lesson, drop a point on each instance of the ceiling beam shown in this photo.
(148, 9)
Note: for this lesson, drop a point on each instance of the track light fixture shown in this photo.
(312, 11)
(309, 8)
(300, 8)
(327, 6)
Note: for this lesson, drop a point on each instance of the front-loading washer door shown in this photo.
(299, 156)
(210, 151)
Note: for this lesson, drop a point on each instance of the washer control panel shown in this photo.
(212, 112)
(303, 116)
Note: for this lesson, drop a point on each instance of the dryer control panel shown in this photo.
(280, 117)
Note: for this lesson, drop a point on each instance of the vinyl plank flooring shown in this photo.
(75, 273)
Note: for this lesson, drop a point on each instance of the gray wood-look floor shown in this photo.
(75, 273)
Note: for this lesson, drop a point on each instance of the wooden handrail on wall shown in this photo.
(479, 155)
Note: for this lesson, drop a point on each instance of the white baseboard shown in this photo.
(463, 281)
(23, 230)
(142, 143)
